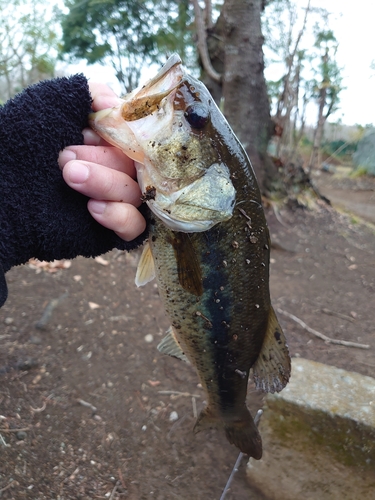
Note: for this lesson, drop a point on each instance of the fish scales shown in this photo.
(218, 321)
(223, 331)
(208, 244)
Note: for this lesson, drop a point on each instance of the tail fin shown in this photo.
(244, 434)
(239, 430)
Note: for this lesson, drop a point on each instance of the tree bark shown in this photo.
(246, 104)
(235, 50)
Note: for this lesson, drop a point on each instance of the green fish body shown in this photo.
(208, 245)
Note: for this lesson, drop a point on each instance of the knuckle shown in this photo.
(109, 185)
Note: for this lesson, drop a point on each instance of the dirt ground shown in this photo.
(90, 409)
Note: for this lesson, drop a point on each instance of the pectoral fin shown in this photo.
(146, 267)
(188, 267)
(271, 370)
(169, 345)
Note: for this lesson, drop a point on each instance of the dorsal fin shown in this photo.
(271, 370)
(169, 345)
(146, 267)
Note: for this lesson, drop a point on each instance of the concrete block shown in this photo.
(318, 437)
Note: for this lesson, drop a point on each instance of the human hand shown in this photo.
(104, 174)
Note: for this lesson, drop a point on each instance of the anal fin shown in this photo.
(272, 369)
(169, 345)
(146, 267)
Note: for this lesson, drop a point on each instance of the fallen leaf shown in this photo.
(101, 261)
(93, 305)
(49, 267)
(154, 383)
(36, 379)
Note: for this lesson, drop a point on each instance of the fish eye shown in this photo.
(197, 115)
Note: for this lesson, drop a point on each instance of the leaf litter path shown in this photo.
(133, 436)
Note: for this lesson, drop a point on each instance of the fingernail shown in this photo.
(65, 156)
(90, 138)
(78, 173)
(97, 207)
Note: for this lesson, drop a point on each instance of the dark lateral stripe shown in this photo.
(218, 304)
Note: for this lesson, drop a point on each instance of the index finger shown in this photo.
(103, 96)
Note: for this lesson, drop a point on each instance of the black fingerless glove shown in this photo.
(40, 215)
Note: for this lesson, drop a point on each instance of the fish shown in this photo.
(208, 245)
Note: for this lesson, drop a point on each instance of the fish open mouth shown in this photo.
(142, 102)
(113, 123)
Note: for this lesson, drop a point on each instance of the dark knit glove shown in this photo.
(40, 216)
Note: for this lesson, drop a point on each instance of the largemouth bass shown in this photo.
(208, 244)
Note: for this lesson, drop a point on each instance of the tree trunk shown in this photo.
(235, 50)
(246, 104)
(318, 134)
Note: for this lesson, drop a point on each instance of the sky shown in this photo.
(353, 25)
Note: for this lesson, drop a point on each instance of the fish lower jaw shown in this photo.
(192, 226)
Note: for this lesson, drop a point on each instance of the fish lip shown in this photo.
(147, 99)
(174, 60)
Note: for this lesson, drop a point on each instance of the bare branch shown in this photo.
(321, 335)
(208, 14)
(290, 59)
(202, 43)
(23, 429)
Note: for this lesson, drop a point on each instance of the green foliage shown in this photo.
(359, 172)
(305, 141)
(340, 148)
(364, 157)
(126, 33)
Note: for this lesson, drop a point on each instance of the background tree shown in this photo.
(246, 103)
(130, 33)
(127, 34)
(288, 44)
(327, 86)
(28, 45)
(234, 74)
(284, 33)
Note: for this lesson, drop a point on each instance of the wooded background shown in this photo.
(226, 44)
